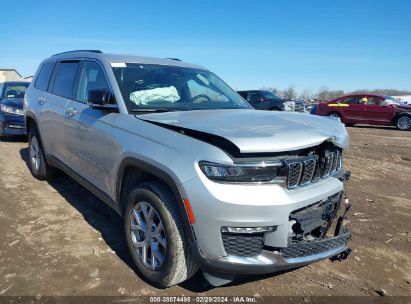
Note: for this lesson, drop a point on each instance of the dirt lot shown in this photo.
(58, 239)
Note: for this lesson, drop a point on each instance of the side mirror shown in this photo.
(99, 97)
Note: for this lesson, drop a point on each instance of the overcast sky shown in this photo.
(250, 44)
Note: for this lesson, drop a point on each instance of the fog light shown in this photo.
(248, 229)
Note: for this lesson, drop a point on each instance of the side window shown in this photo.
(351, 100)
(65, 77)
(253, 97)
(243, 95)
(43, 78)
(91, 77)
(375, 101)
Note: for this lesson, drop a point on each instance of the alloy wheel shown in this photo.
(404, 123)
(148, 235)
(35, 153)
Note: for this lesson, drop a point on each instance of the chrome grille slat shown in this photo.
(294, 174)
(309, 170)
(312, 168)
(335, 161)
(328, 161)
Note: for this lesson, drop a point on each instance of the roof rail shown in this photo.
(176, 59)
(76, 51)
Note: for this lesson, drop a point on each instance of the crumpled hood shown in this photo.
(13, 102)
(254, 131)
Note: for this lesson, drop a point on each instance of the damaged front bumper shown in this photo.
(276, 261)
(316, 232)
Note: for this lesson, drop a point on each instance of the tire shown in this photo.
(333, 114)
(38, 165)
(177, 263)
(403, 122)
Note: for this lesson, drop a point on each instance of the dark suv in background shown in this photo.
(11, 108)
(266, 100)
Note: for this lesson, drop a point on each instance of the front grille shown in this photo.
(242, 245)
(301, 172)
(303, 249)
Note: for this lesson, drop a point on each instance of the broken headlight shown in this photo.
(242, 173)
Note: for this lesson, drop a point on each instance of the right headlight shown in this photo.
(241, 173)
(11, 110)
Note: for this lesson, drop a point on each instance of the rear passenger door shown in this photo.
(88, 129)
(53, 104)
(378, 111)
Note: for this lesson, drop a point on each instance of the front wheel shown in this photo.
(403, 123)
(155, 236)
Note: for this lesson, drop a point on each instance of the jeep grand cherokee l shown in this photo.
(201, 179)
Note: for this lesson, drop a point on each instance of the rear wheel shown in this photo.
(37, 161)
(403, 122)
(155, 236)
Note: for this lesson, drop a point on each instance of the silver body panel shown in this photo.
(94, 143)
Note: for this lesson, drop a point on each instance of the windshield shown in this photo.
(394, 101)
(270, 95)
(15, 90)
(146, 86)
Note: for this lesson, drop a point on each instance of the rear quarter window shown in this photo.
(43, 78)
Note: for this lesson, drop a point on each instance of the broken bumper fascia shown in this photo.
(267, 262)
(274, 261)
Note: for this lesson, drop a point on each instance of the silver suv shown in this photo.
(201, 179)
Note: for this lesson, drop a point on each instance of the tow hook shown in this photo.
(341, 256)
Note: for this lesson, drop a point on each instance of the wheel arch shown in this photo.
(398, 114)
(133, 171)
(29, 121)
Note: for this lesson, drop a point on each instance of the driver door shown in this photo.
(88, 135)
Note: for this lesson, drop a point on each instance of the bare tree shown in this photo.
(289, 93)
(307, 94)
(322, 93)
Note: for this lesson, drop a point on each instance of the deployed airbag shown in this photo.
(157, 95)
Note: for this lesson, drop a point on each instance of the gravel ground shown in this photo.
(58, 239)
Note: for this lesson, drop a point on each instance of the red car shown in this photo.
(368, 109)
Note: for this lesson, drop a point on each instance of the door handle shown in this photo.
(41, 100)
(71, 112)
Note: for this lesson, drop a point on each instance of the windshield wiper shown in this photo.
(145, 110)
